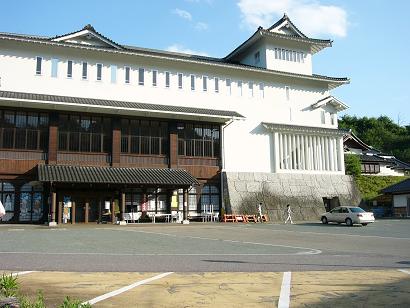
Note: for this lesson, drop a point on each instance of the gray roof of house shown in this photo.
(118, 104)
(401, 187)
(111, 175)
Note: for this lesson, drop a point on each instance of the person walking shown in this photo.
(2, 210)
(289, 211)
(259, 218)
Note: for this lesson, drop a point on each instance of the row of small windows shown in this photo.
(289, 55)
(216, 82)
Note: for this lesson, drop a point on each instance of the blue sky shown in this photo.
(371, 42)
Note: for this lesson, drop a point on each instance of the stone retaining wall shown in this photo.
(304, 192)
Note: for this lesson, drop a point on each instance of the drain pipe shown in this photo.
(223, 160)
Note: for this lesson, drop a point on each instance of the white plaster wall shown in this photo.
(247, 148)
(384, 171)
(400, 200)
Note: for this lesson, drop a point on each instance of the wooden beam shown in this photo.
(116, 142)
(86, 212)
(173, 145)
(73, 213)
(53, 138)
(53, 206)
(60, 212)
(122, 206)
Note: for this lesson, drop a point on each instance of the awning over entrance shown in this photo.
(110, 175)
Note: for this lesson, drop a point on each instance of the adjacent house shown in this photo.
(401, 197)
(373, 161)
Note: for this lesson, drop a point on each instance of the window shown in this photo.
(200, 140)
(54, 68)
(370, 168)
(154, 78)
(205, 83)
(31, 202)
(141, 72)
(84, 75)
(69, 69)
(7, 196)
(113, 73)
(216, 80)
(257, 57)
(276, 53)
(127, 74)
(167, 79)
(287, 90)
(228, 86)
(250, 85)
(261, 90)
(144, 137)
(193, 82)
(39, 61)
(23, 130)
(333, 118)
(209, 198)
(240, 87)
(99, 71)
(180, 80)
(81, 133)
(323, 117)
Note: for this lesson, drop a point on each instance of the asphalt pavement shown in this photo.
(206, 247)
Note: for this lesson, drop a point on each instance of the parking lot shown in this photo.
(214, 264)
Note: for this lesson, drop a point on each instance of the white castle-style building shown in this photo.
(88, 125)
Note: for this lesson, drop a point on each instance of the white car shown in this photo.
(349, 215)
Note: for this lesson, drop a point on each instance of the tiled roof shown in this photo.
(309, 129)
(111, 175)
(401, 187)
(286, 18)
(118, 104)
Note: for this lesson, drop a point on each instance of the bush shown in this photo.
(353, 165)
(73, 303)
(370, 186)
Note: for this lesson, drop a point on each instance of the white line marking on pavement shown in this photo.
(125, 289)
(310, 251)
(153, 254)
(404, 271)
(284, 297)
(22, 273)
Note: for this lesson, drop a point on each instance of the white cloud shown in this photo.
(181, 49)
(201, 26)
(183, 14)
(311, 17)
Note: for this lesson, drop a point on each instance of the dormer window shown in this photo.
(39, 61)
(84, 75)
(99, 71)
(257, 57)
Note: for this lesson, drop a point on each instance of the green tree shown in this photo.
(352, 163)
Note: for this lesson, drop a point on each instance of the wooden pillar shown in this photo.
(53, 206)
(185, 200)
(99, 210)
(112, 211)
(73, 213)
(116, 142)
(53, 138)
(60, 212)
(122, 205)
(87, 205)
(173, 145)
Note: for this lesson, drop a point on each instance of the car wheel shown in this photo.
(364, 225)
(324, 220)
(349, 222)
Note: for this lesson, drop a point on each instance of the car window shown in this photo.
(335, 210)
(345, 210)
(356, 210)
